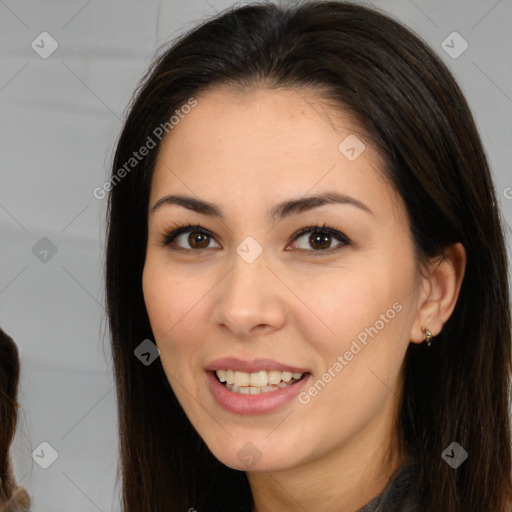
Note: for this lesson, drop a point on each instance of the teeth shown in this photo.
(241, 378)
(286, 376)
(274, 377)
(258, 379)
(250, 390)
(254, 383)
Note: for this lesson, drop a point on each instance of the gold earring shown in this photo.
(428, 335)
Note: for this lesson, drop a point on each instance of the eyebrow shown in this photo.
(279, 212)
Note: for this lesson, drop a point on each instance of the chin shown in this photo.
(254, 454)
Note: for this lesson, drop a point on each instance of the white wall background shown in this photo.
(59, 119)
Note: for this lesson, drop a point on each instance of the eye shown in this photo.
(320, 238)
(198, 237)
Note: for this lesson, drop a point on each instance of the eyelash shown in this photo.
(197, 228)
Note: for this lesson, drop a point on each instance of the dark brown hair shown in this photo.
(9, 378)
(413, 111)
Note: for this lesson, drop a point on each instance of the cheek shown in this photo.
(345, 305)
(173, 305)
(360, 363)
(364, 317)
(168, 299)
(158, 299)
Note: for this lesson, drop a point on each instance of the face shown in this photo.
(333, 306)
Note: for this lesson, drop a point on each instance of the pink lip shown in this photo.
(256, 365)
(253, 404)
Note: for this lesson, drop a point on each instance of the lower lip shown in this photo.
(253, 404)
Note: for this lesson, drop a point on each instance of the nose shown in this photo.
(250, 300)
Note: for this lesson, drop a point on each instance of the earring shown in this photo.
(428, 335)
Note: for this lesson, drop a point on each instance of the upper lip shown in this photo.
(255, 365)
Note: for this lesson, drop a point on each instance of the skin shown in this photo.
(302, 306)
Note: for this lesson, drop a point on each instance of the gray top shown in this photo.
(396, 496)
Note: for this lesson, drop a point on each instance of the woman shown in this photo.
(12, 498)
(302, 220)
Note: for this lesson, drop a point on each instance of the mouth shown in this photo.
(254, 383)
(254, 387)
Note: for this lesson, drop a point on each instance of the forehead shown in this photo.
(264, 143)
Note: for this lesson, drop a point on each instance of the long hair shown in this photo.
(406, 100)
(9, 378)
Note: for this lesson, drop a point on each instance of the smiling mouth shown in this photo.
(258, 382)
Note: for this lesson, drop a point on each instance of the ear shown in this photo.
(440, 292)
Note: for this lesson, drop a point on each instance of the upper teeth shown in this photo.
(262, 378)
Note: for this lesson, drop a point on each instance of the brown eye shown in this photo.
(198, 238)
(320, 238)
